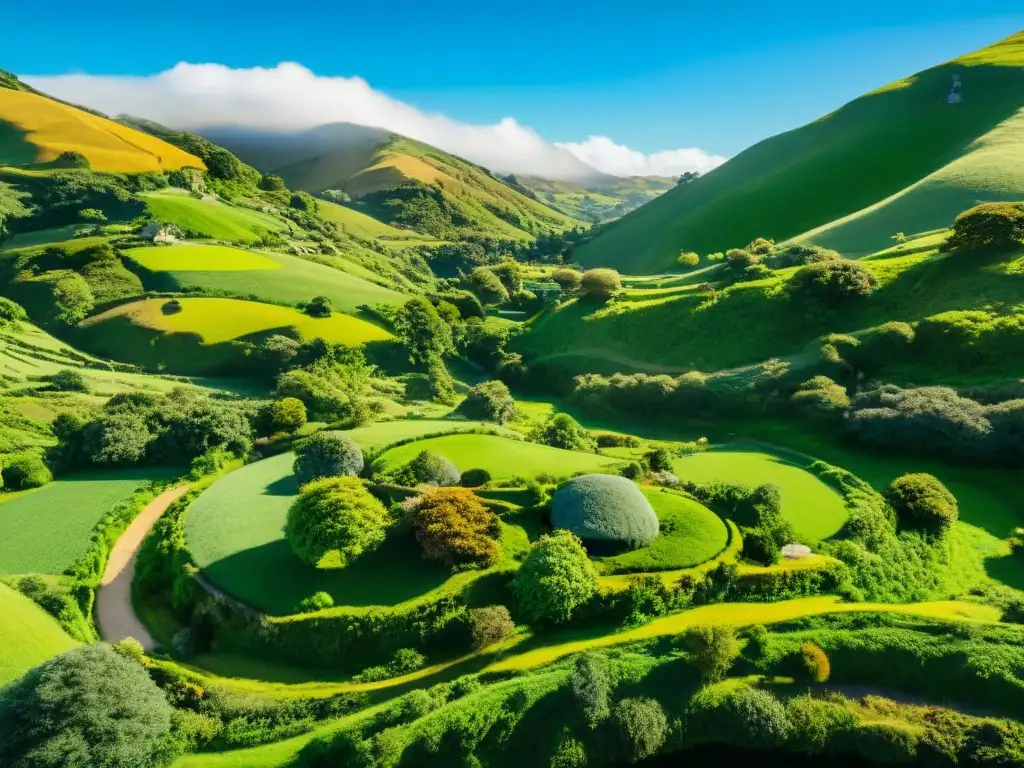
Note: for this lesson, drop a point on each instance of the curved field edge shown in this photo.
(28, 635)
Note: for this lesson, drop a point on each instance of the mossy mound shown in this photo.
(606, 511)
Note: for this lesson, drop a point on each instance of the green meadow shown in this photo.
(28, 635)
(210, 217)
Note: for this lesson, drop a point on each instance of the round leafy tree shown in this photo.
(454, 527)
(567, 279)
(286, 414)
(605, 511)
(428, 468)
(335, 516)
(87, 707)
(998, 226)
(489, 401)
(319, 306)
(474, 478)
(555, 580)
(922, 501)
(563, 431)
(326, 454)
(642, 726)
(24, 472)
(601, 283)
(831, 283)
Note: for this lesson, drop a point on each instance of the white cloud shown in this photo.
(291, 97)
(619, 160)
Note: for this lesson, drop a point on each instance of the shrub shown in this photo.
(757, 717)
(489, 401)
(738, 259)
(831, 284)
(69, 380)
(84, 708)
(798, 255)
(814, 723)
(660, 460)
(426, 336)
(633, 471)
(489, 625)
(922, 501)
(989, 225)
(487, 286)
(592, 688)
(600, 283)
(555, 580)
(563, 431)
(24, 472)
(326, 454)
(568, 279)
(452, 526)
(688, 259)
(318, 601)
(822, 399)
(319, 306)
(286, 415)
(884, 345)
(10, 311)
(129, 648)
(474, 478)
(335, 515)
(642, 726)
(815, 662)
(712, 650)
(570, 753)
(605, 510)
(428, 467)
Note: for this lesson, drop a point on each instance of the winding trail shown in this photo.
(115, 615)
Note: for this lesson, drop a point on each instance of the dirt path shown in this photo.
(114, 613)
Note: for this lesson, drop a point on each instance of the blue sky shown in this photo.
(650, 75)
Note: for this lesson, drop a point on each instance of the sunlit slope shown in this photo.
(36, 129)
(863, 153)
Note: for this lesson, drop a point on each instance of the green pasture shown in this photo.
(235, 532)
(816, 510)
(64, 236)
(46, 530)
(211, 217)
(199, 257)
(275, 277)
(28, 635)
(689, 534)
(365, 227)
(376, 436)
(500, 456)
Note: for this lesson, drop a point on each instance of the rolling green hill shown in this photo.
(28, 635)
(399, 181)
(899, 158)
(602, 199)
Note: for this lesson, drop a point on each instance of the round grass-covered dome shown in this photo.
(605, 510)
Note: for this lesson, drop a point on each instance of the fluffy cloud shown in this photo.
(619, 160)
(290, 97)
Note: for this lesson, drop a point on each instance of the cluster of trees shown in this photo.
(757, 511)
(563, 431)
(145, 428)
(489, 401)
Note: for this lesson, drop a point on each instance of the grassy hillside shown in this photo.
(35, 129)
(602, 199)
(876, 147)
(28, 635)
(211, 218)
(403, 182)
(367, 228)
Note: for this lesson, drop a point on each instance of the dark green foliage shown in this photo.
(797, 255)
(712, 650)
(319, 306)
(326, 454)
(23, 472)
(592, 688)
(660, 460)
(815, 723)
(922, 501)
(87, 708)
(428, 467)
(59, 603)
(764, 528)
(831, 284)
(426, 336)
(822, 399)
(69, 380)
(335, 516)
(634, 470)
(272, 183)
(642, 726)
(489, 401)
(59, 296)
(738, 260)
(220, 163)
(884, 345)
(487, 286)
(70, 159)
(600, 283)
(556, 579)
(11, 311)
(989, 225)
(318, 601)
(474, 478)
(758, 717)
(490, 625)
(604, 510)
(563, 431)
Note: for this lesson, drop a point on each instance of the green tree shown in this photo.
(563, 431)
(831, 284)
(999, 226)
(489, 401)
(319, 306)
(23, 472)
(69, 380)
(489, 625)
(568, 280)
(922, 501)
(452, 526)
(425, 335)
(712, 650)
(335, 516)
(600, 283)
(688, 259)
(556, 579)
(286, 414)
(592, 688)
(87, 708)
(488, 286)
(326, 454)
(272, 183)
(642, 726)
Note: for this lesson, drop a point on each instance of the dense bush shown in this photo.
(319, 306)
(831, 284)
(452, 526)
(660, 460)
(816, 663)
(568, 279)
(563, 431)
(427, 468)
(642, 726)
(798, 255)
(474, 478)
(87, 707)
(592, 688)
(973, 338)
(426, 336)
(489, 401)
(487, 286)
(688, 259)
(69, 380)
(922, 501)
(286, 415)
(556, 579)
(712, 650)
(600, 283)
(335, 516)
(23, 472)
(326, 454)
(822, 399)
(318, 601)
(489, 625)
(10, 311)
(988, 225)
(884, 345)
(759, 719)
(605, 511)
